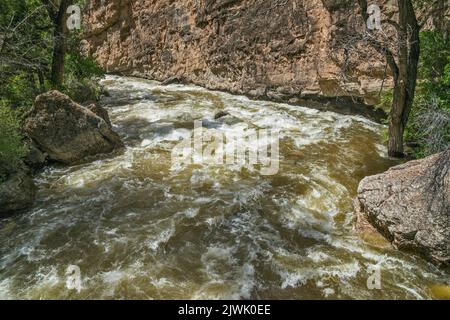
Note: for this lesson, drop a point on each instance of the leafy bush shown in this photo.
(17, 90)
(26, 43)
(386, 101)
(81, 73)
(429, 126)
(81, 67)
(12, 148)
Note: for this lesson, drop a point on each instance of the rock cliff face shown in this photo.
(282, 50)
(410, 205)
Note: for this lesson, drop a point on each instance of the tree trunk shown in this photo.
(41, 79)
(395, 144)
(396, 129)
(59, 51)
(405, 79)
(60, 45)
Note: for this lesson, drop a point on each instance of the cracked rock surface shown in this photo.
(68, 132)
(410, 206)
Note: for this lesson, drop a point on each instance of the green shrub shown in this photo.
(81, 78)
(12, 148)
(81, 68)
(17, 90)
(429, 126)
(386, 101)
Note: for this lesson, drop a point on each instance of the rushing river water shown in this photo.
(138, 228)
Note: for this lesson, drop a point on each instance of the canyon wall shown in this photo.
(282, 50)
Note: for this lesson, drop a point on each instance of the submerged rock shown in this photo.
(224, 117)
(67, 131)
(17, 193)
(221, 114)
(410, 206)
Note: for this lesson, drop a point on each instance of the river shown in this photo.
(139, 228)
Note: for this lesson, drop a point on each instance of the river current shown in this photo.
(138, 227)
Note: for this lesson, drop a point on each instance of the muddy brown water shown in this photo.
(139, 228)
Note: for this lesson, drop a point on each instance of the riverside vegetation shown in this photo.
(26, 56)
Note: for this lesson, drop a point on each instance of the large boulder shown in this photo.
(68, 132)
(410, 206)
(17, 193)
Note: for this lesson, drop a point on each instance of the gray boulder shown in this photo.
(68, 132)
(410, 206)
(17, 193)
(101, 112)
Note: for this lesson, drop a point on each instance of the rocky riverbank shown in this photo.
(58, 130)
(410, 206)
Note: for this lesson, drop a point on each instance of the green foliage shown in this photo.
(81, 68)
(26, 53)
(17, 90)
(12, 149)
(25, 50)
(386, 101)
(77, 66)
(80, 82)
(429, 125)
(435, 52)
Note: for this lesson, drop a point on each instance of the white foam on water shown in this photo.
(249, 223)
(224, 270)
(191, 212)
(344, 272)
(5, 290)
(161, 283)
(412, 292)
(327, 292)
(175, 135)
(113, 277)
(162, 235)
(317, 256)
(45, 278)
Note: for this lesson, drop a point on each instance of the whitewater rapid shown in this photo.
(139, 228)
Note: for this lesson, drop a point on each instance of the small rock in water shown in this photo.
(174, 80)
(221, 114)
(224, 117)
